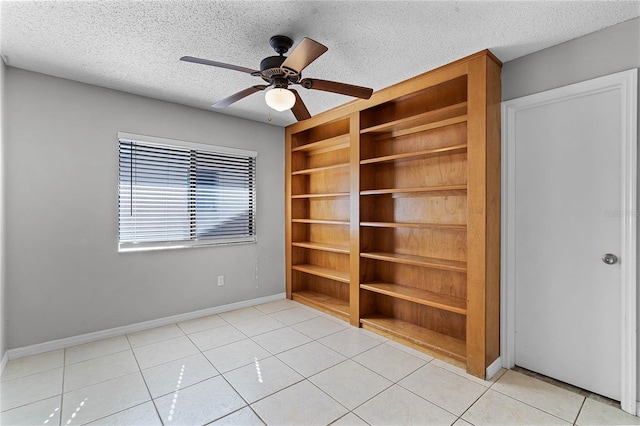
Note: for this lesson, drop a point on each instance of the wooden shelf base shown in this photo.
(447, 345)
(321, 169)
(442, 226)
(325, 145)
(319, 271)
(426, 121)
(334, 248)
(422, 297)
(415, 155)
(324, 195)
(328, 304)
(427, 262)
(425, 190)
(321, 221)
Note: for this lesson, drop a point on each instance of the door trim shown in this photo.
(626, 83)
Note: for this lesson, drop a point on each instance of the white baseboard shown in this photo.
(119, 331)
(3, 364)
(494, 368)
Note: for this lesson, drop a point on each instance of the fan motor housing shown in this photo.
(271, 68)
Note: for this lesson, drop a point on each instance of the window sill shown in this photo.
(138, 247)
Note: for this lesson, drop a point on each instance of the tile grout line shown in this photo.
(231, 385)
(347, 358)
(64, 369)
(539, 408)
(223, 378)
(391, 380)
(144, 381)
(139, 371)
(220, 373)
(341, 362)
(442, 408)
(304, 378)
(473, 403)
(584, 401)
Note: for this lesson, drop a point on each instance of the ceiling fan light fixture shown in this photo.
(280, 99)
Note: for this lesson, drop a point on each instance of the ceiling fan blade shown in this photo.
(218, 64)
(236, 97)
(335, 87)
(306, 52)
(299, 109)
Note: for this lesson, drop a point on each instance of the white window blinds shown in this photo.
(180, 196)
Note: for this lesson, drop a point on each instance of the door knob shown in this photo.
(610, 259)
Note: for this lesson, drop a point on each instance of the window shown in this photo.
(179, 194)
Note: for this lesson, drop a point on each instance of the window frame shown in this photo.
(128, 246)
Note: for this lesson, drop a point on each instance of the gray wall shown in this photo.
(3, 334)
(64, 275)
(611, 50)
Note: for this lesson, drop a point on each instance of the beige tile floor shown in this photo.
(279, 363)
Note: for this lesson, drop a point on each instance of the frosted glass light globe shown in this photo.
(280, 99)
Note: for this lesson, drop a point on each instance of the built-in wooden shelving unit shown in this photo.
(393, 212)
(318, 248)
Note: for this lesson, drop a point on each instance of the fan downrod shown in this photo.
(281, 44)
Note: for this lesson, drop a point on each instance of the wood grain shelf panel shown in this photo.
(442, 226)
(325, 145)
(321, 221)
(433, 190)
(427, 262)
(415, 155)
(321, 169)
(442, 117)
(323, 195)
(335, 248)
(320, 271)
(323, 302)
(450, 346)
(416, 295)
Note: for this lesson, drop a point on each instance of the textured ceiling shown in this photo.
(134, 46)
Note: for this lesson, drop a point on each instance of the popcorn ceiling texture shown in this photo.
(135, 46)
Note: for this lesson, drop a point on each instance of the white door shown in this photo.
(570, 214)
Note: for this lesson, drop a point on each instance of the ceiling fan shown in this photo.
(281, 71)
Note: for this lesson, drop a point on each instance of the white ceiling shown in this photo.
(135, 46)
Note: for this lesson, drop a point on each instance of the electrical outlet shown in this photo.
(220, 280)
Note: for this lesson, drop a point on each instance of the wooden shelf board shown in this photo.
(416, 295)
(436, 190)
(323, 302)
(450, 346)
(427, 262)
(320, 271)
(321, 169)
(321, 221)
(325, 145)
(428, 120)
(403, 131)
(443, 226)
(323, 195)
(335, 248)
(426, 153)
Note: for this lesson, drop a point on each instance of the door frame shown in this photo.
(626, 83)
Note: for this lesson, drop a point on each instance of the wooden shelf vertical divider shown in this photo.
(354, 230)
(483, 201)
(288, 144)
